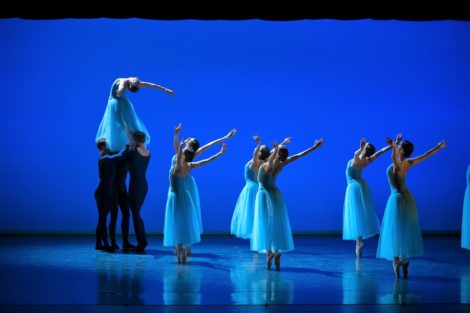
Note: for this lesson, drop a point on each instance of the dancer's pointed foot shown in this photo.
(396, 268)
(179, 254)
(269, 259)
(114, 246)
(359, 249)
(405, 265)
(185, 255)
(99, 246)
(277, 260)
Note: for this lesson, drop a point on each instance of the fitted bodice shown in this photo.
(352, 173)
(265, 179)
(249, 174)
(397, 183)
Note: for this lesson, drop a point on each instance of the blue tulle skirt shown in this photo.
(119, 122)
(271, 227)
(181, 223)
(191, 186)
(359, 217)
(242, 219)
(400, 234)
(466, 220)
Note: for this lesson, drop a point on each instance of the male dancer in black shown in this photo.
(104, 194)
(139, 158)
(121, 200)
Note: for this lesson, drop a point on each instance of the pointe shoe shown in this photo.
(359, 250)
(269, 259)
(277, 261)
(185, 255)
(396, 269)
(405, 268)
(179, 254)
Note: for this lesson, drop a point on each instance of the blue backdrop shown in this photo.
(341, 80)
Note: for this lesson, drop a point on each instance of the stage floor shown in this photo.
(64, 271)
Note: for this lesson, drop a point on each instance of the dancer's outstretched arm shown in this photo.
(194, 165)
(212, 143)
(255, 159)
(122, 152)
(179, 157)
(421, 158)
(124, 85)
(155, 86)
(358, 152)
(318, 143)
(384, 149)
(285, 142)
(176, 139)
(273, 154)
(397, 164)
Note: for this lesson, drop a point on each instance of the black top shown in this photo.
(138, 165)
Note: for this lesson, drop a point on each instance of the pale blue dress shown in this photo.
(181, 224)
(192, 188)
(271, 227)
(359, 216)
(466, 214)
(242, 219)
(400, 234)
(119, 121)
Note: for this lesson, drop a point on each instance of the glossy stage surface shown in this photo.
(65, 273)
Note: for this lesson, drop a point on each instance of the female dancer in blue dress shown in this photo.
(400, 235)
(466, 215)
(242, 219)
(271, 228)
(120, 120)
(359, 218)
(181, 228)
(193, 143)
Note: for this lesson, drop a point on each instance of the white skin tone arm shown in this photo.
(179, 158)
(194, 165)
(212, 143)
(358, 152)
(155, 86)
(175, 138)
(269, 164)
(124, 85)
(318, 143)
(285, 142)
(255, 160)
(421, 158)
(383, 150)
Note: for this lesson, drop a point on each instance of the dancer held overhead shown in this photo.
(181, 228)
(360, 220)
(271, 228)
(120, 120)
(400, 234)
